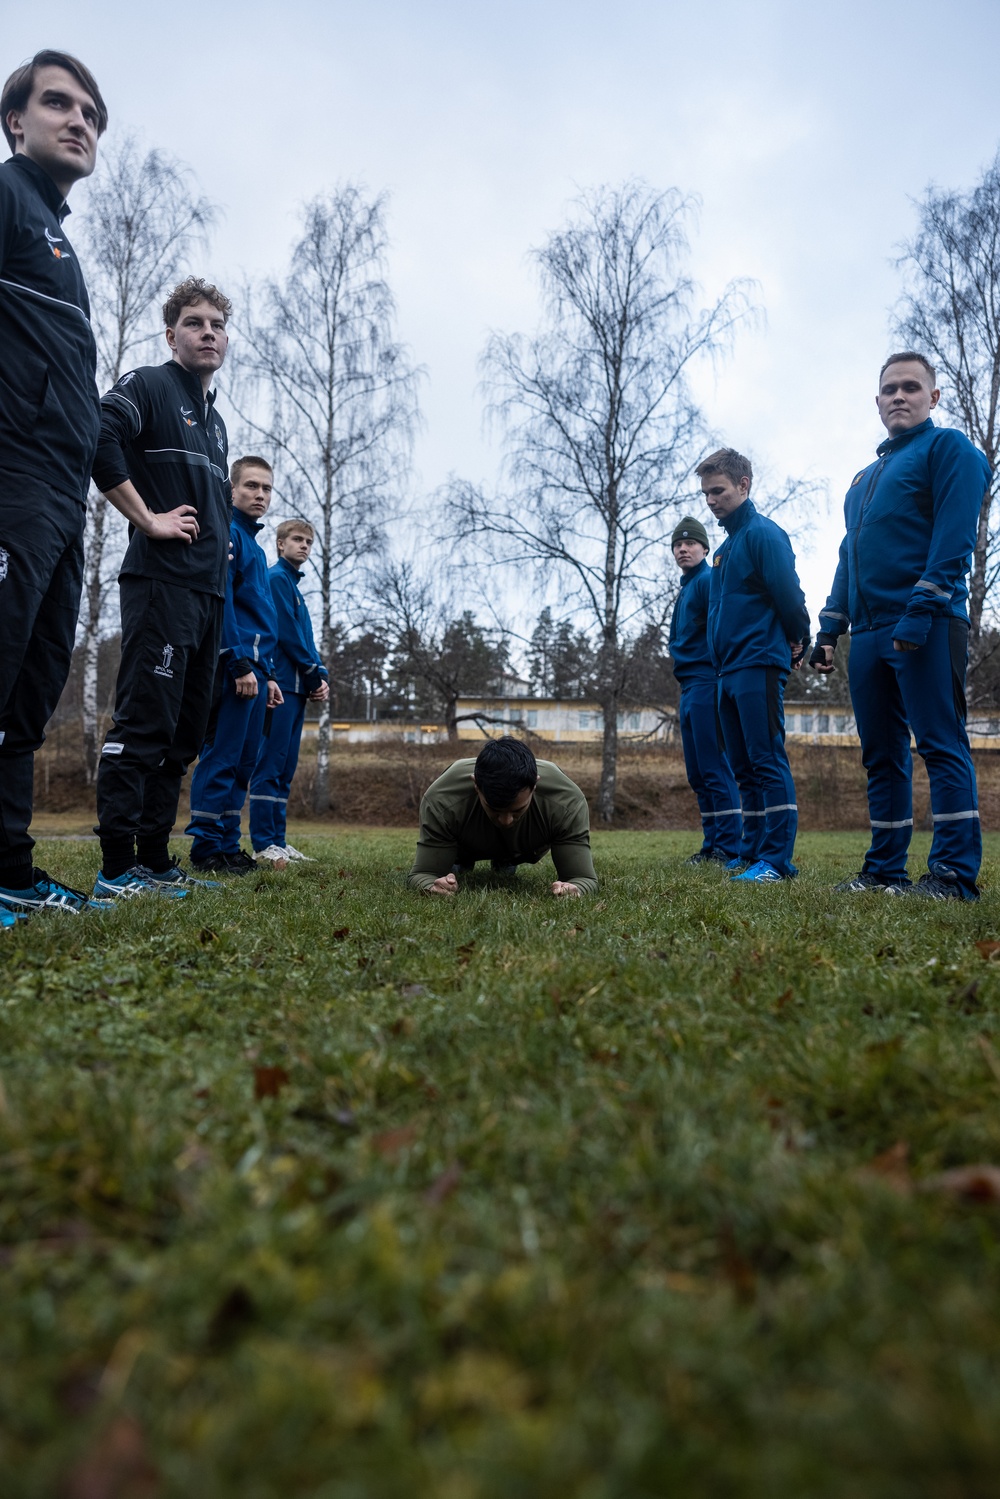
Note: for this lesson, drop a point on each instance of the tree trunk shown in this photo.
(977, 582)
(451, 717)
(93, 597)
(609, 761)
(321, 791)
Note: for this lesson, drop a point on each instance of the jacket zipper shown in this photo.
(869, 492)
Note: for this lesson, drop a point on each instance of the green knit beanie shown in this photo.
(690, 529)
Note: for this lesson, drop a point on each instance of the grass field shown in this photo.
(315, 1187)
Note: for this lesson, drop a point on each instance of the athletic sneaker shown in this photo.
(239, 862)
(737, 864)
(293, 853)
(859, 883)
(45, 893)
(929, 887)
(10, 918)
(761, 873)
(701, 857)
(135, 881)
(274, 855)
(508, 870)
(174, 875)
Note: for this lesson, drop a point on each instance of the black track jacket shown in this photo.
(158, 430)
(49, 411)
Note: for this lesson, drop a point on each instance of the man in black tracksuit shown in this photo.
(52, 115)
(162, 460)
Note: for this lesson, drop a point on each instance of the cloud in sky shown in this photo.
(805, 129)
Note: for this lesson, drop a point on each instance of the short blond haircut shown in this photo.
(288, 526)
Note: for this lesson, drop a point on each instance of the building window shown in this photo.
(633, 720)
(823, 723)
(532, 718)
(807, 723)
(840, 725)
(584, 720)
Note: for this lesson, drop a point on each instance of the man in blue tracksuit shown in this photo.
(911, 519)
(245, 686)
(758, 629)
(302, 678)
(705, 761)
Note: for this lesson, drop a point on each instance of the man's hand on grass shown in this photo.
(446, 885)
(565, 887)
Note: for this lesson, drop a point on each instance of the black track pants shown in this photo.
(41, 576)
(170, 649)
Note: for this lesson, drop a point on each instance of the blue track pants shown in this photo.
(923, 690)
(708, 769)
(752, 715)
(272, 778)
(222, 775)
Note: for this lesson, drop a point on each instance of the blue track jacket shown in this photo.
(689, 625)
(911, 519)
(249, 620)
(297, 665)
(757, 605)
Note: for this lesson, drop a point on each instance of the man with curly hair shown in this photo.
(162, 460)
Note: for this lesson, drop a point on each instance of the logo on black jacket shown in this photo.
(218, 437)
(163, 670)
(54, 242)
(188, 413)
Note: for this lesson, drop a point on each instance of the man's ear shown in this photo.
(935, 397)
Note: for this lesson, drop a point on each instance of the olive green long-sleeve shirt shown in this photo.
(454, 828)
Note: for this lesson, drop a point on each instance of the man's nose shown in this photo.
(505, 819)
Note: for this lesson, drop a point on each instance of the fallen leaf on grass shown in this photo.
(892, 1168)
(465, 953)
(268, 1081)
(392, 1142)
(116, 1467)
(340, 933)
(973, 1183)
(785, 998)
(988, 950)
(401, 1026)
(206, 935)
(736, 1267)
(345, 874)
(574, 931)
(443, 1186)
(412, 991)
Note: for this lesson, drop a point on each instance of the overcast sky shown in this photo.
(806, 129)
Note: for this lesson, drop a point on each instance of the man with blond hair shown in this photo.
(52, 115)
(162, 460)
(302, 678)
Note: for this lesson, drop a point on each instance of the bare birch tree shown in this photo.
(950, 311)
(600, 425)
(332, 395)
(142, 221)
(444, 652)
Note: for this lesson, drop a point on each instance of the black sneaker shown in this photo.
(930, 887)
(213, 864)
(704, 856)
(240, 863)
(859, 883)
(503, 869)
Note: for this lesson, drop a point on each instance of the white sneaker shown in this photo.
(293, 853)
(273, 855)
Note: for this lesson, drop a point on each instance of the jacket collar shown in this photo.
(739, 517)
(892, 443)
(283, 562)
(192, 384)
(43, 182)
(248, 525)
(696, 572)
